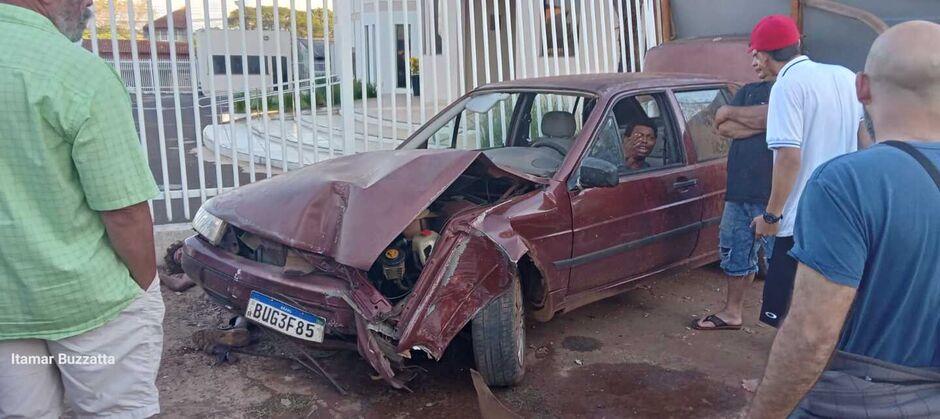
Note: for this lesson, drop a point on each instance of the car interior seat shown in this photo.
(658, 154)
(558, 129)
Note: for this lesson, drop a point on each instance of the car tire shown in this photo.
(498, 334)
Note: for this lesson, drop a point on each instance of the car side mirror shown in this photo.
(598, 173)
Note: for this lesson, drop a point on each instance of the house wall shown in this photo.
(475, 53)
(211, 43)
(444, 75)
(382, 49)
(529, 26)
(163, 34)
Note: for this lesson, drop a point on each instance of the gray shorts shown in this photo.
(109, 372)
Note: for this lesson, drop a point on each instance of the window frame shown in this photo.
(219, 65)
(444, 117)
(725, 90)
(452, 114)
(254, 66)
(670, 126)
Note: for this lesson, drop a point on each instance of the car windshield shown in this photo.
(526, 131)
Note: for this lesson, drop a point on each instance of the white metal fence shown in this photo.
(221, 101)
(155, 75)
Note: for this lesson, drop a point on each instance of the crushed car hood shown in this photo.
(349, 208)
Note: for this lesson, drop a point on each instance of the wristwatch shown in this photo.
(772, 219)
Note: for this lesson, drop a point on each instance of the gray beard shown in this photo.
(73, 30)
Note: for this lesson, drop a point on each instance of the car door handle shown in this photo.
(683, 185)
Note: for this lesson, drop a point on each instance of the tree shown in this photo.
(267, 20)
(122, 24)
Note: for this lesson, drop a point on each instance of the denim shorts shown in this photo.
(738, 247)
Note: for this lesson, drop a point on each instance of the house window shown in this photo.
(236, 64)
(218, 65)
(555, 42)
(254, 65)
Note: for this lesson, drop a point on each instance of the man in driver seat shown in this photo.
(638, 142)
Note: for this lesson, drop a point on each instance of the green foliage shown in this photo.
(357, 90)
(122, 27)
(303, 98)
(267, 20)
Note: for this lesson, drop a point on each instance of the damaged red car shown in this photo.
(522, 199)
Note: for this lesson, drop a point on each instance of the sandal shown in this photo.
(718, 323)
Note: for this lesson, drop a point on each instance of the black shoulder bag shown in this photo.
(920, 157)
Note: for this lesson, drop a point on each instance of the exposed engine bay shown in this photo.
(396, 271)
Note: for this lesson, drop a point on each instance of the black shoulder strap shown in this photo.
(920, 157)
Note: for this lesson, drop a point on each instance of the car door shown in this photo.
(650, 219)
(708, 152)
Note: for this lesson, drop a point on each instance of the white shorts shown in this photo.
(109, 372)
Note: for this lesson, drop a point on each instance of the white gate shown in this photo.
(221, 101)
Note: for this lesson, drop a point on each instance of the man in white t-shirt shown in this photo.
(813, 116)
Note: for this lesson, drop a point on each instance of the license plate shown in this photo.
(285, 318)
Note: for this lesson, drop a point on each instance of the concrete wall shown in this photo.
(848, 44)
(696, 18)
(441, 76)
(165, 235)
(828, 38)
(210, 42)
(463, 39)
(382, 46)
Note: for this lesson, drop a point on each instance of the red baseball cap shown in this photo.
(774, 32)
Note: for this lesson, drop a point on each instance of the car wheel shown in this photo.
(498, 333)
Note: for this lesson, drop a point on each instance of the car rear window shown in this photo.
(698, 109)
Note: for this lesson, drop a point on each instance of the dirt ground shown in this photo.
(628, 356)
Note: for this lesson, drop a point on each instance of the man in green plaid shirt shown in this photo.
(80, 310)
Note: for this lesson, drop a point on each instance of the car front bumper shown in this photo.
(229, 280)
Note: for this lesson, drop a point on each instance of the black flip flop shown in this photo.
(718, 323)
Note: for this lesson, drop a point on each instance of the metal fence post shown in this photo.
(153, 75)
(342, 14)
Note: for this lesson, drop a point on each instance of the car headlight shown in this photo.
(209, 226)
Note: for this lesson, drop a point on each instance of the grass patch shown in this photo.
(291, 101)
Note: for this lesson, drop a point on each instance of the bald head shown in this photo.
(900, 86)
(907, 57)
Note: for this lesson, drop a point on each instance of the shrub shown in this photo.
(304, 98)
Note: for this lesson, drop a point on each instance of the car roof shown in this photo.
(603, 83)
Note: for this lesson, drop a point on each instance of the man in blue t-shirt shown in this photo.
(750, 167)
(867, 239)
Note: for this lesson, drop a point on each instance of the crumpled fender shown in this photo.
(468, 272)
(370, 347)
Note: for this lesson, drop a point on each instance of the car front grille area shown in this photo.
(252, 247)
